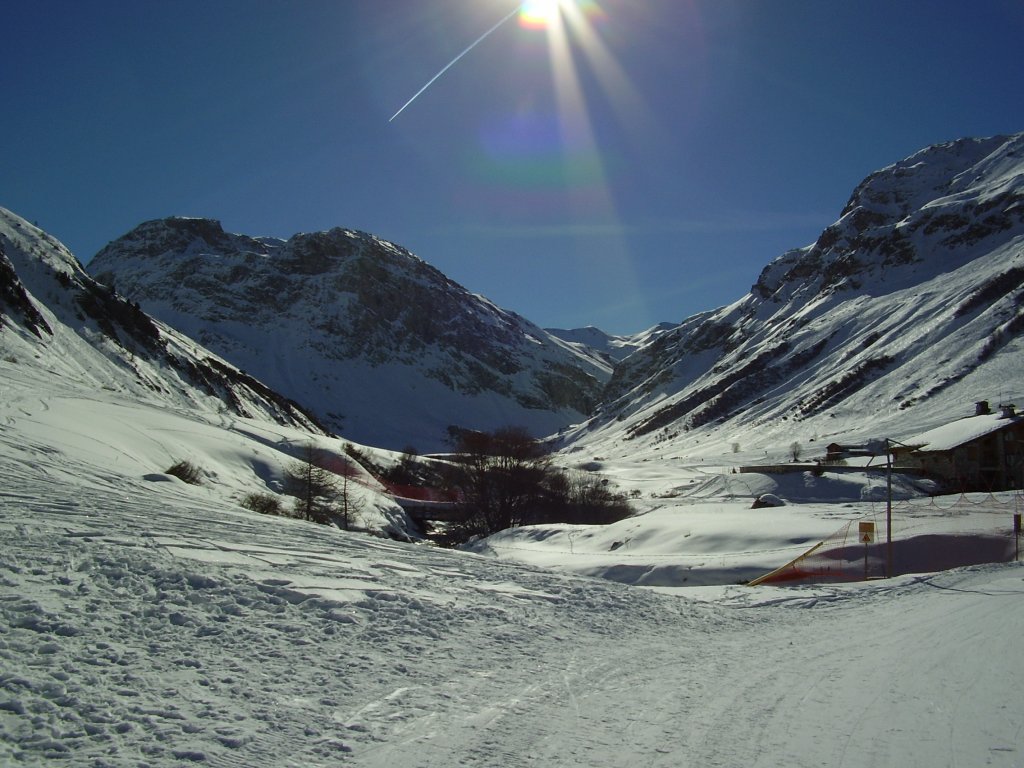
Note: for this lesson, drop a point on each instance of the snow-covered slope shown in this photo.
(380, 344)
(59, 319)
(98, 388)
(902, 314)
(143, 623)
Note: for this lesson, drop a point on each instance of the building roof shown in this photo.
(957, 433)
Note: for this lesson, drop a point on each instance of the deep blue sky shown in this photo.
(732, 131)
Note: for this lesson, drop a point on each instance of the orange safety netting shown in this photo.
(859, 550)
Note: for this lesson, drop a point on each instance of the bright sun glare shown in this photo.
(569, 25)
(539, 14)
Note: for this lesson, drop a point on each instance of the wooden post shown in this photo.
(866, 531)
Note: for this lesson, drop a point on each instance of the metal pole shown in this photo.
(888, 509)
(1016, 535)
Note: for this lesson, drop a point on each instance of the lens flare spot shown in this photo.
(591, 10)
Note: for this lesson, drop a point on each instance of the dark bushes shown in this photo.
(505, 480)
(186, 471)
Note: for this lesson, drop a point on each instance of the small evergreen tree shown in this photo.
(314, 488)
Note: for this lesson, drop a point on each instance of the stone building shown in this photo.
(983, 452)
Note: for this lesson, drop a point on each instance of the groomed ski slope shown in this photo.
(145, 623)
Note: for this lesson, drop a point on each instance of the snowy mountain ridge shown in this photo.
(925, 258)
(609, 347)
(904, 312)
(907, 309)
(383, 346)
(70, 325)
(101, 390)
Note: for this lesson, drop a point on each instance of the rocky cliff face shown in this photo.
(932, 209)
(381, 345)
(56, 317)
(912, 301)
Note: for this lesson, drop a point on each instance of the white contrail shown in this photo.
(454, 61)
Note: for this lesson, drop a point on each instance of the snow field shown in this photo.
(696, 527)
(146, 628)
(132, 649)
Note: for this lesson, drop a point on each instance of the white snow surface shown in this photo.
(145, 622)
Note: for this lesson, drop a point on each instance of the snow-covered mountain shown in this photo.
(57, 319)
(903, 313)
(609, 347)
(380, 344)
(94, 388)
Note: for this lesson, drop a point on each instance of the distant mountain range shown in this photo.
(902, 313)
(382, 346)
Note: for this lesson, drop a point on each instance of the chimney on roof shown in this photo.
(981, 408)
(1009, 411)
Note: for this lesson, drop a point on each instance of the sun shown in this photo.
(539, 14)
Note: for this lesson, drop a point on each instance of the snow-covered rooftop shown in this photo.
(957, 433)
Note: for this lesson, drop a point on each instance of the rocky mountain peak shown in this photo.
(182, 235)
(382, 345)
(54, 313)
(896, 191)
(966, 190)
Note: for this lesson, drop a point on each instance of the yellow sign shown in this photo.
(867, 532)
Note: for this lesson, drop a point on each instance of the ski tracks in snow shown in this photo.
(863, 682)
(151, 626)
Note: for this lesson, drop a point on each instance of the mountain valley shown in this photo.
(907, 308)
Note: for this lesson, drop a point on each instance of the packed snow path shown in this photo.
(141, 625)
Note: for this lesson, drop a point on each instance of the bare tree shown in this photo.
(506, 480)
(348, 504)
(795, 450)
(502, 477)
(579, 497)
